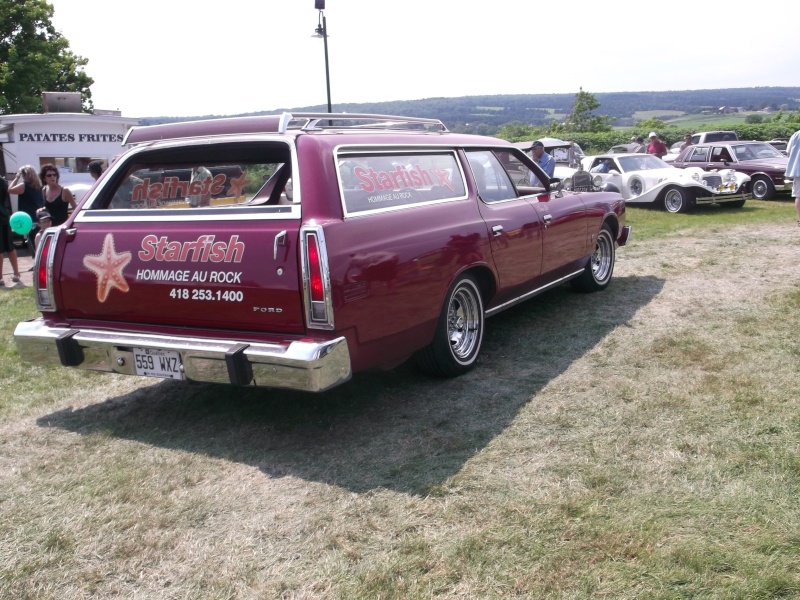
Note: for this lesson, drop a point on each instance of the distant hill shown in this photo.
(488, 113)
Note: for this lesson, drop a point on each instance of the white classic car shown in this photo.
(646, 179)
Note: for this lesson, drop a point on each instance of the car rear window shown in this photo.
(373, 182)
(191, 178)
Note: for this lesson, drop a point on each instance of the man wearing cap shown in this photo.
(544, 160)
(44, 220)
(656, 146)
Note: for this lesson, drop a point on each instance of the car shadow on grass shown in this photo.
(395, 429)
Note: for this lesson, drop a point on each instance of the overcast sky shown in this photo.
(189, 58)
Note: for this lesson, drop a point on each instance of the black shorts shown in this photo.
(6, 238)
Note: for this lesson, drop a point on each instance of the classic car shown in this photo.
(396, 240)
(646, 179)
(765, 165)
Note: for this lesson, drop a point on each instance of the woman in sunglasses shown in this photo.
(58, 200)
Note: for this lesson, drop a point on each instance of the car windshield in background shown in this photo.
(641, 163)
(755, 151)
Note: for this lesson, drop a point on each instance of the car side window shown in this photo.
(387, 180)
(719, 154)
(494, 183)
(698, 155)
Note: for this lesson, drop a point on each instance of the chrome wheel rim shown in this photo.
(759, 189)
(602, 258)
(464, 321)
(673, 201)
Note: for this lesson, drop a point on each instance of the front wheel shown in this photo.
(459, 332)
(762, 188)
(597, 274)
(678, 200)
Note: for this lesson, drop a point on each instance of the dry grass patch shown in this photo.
(639, 443)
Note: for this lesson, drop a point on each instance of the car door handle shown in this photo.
(547, 218)
(497, 230)
(280, 240)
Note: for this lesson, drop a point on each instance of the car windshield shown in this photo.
(641, 163)
(755, 151)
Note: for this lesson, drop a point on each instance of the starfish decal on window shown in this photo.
(442, 176)
(108, 266)
(237, 185)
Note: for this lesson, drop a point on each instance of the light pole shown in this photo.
(322, 31)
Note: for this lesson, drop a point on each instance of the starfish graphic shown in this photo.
(238, 184)
(108, 266)
(442, 176)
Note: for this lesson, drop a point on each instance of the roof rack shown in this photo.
(318, 121)
(278, 124)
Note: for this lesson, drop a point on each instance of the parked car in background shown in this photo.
(193, 259)
(567, 154)
(705, 137)
(779, 145)
(765, 165)
(646, 179)
(625, 148)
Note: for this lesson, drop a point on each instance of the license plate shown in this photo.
(157, 363)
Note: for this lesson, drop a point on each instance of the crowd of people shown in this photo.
(43, 199)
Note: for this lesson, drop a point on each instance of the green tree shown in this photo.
(35, 58)
(651, 124)
(582, 119)
(754, 119)
(516, 132)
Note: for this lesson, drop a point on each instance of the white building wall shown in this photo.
(70, 140)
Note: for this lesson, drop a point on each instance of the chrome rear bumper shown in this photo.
(299, 365)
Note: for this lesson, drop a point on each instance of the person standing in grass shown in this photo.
(656, 146)
(793, 169)
(6, 239)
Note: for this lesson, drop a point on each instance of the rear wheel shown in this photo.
(678, 200)
(459, 333)
(597, 274)
(762, 188)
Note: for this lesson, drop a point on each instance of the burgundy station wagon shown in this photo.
(292, 251)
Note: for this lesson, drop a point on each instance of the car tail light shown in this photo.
(43, 281)
(316, 278)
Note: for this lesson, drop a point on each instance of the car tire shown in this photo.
(459, 332)
(597, 273)
(678, 200)
(762, 188)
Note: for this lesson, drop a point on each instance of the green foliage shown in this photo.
(752, 119)
(35, 58)
(582, 118)
(516, 132)
(652, 124)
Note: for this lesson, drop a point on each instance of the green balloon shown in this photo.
(21, 223)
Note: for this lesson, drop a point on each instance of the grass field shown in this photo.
(642, 442)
